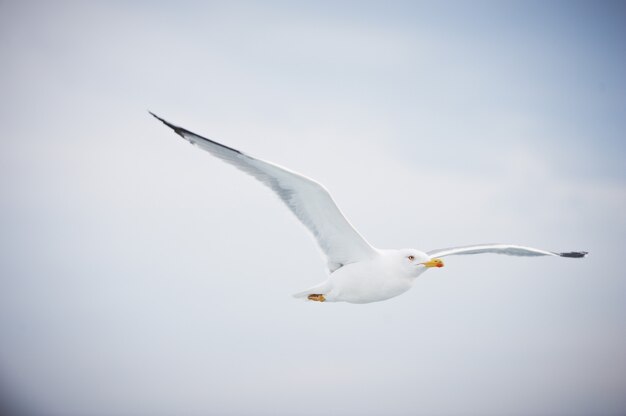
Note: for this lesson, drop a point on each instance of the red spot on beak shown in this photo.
(440, 265)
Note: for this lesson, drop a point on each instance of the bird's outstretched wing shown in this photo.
(307, 199)
(507, 249)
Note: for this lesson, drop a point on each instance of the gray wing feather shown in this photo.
(508, 249)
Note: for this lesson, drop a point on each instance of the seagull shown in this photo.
(358, 272)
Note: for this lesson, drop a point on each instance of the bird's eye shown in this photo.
(411, 258)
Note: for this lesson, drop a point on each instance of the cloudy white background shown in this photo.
(141, 276)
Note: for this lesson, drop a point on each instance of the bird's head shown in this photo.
(417, 262)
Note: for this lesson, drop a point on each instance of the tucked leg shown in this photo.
(317, 298)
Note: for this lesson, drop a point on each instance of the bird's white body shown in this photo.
(359, 272)
(385, 276)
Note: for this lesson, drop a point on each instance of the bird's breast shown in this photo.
(358, 283)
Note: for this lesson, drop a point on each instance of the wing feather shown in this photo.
(307, 199)
(508, 249)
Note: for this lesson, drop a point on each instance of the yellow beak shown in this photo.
(433, 263)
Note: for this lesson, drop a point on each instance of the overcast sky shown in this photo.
(140, 276)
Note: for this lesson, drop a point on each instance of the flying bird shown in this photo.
(358, 272)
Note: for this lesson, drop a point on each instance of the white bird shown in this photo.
(358, 272)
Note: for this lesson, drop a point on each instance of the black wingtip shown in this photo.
(177, 130)
(155, 116)
(196, 137)
(574, 254)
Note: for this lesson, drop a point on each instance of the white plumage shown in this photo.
(359, 273)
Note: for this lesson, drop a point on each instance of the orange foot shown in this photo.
(317, 298)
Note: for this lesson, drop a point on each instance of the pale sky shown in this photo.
(140, 276)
